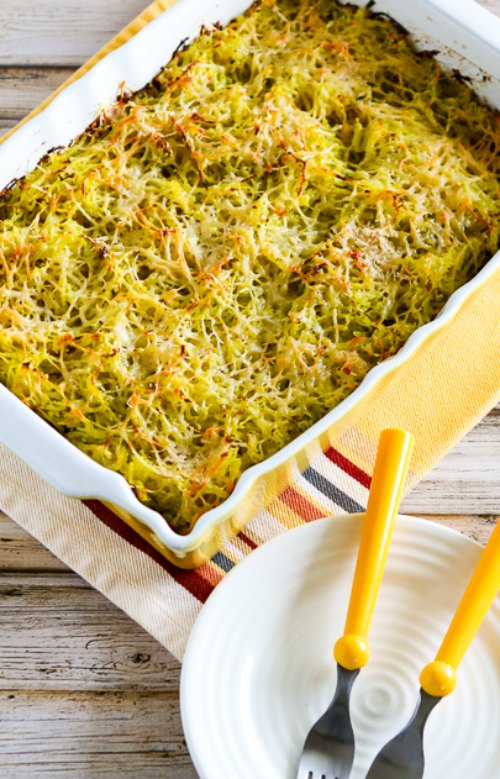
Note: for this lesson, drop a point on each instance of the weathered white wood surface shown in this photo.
(65, 33)
(84, 692)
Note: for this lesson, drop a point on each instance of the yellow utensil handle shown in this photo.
(391, 464)
(439, 678)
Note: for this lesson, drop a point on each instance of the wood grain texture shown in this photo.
(20, 552)
(24, 88)
(91, 734)
(69, 641)
(467, 479)
(60, 33)
(85, 692)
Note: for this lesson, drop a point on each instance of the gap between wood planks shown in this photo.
(58, 633)
(92, 735)
(20, 553)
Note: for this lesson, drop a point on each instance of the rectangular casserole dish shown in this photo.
(467, 37)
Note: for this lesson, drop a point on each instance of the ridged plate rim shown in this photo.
(226, 659)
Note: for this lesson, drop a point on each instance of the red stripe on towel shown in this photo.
(349, 467)
(248, 541)
(199, 582)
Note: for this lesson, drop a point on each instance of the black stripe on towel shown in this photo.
(332, 492)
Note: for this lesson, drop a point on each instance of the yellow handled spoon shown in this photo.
(329, 747)
(403, 756)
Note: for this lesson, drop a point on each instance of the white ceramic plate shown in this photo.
(258, 670)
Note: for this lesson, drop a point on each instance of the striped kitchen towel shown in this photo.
(164, 599)
(440, 393)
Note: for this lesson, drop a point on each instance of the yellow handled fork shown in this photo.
(329, 747)
(403, 756)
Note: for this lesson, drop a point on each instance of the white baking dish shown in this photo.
(467, 37)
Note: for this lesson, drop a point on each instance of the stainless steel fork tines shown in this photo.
(328, 751)
(403, 757)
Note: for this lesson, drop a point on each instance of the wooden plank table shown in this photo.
(85, 692)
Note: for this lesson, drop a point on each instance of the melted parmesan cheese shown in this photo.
(222, 257)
